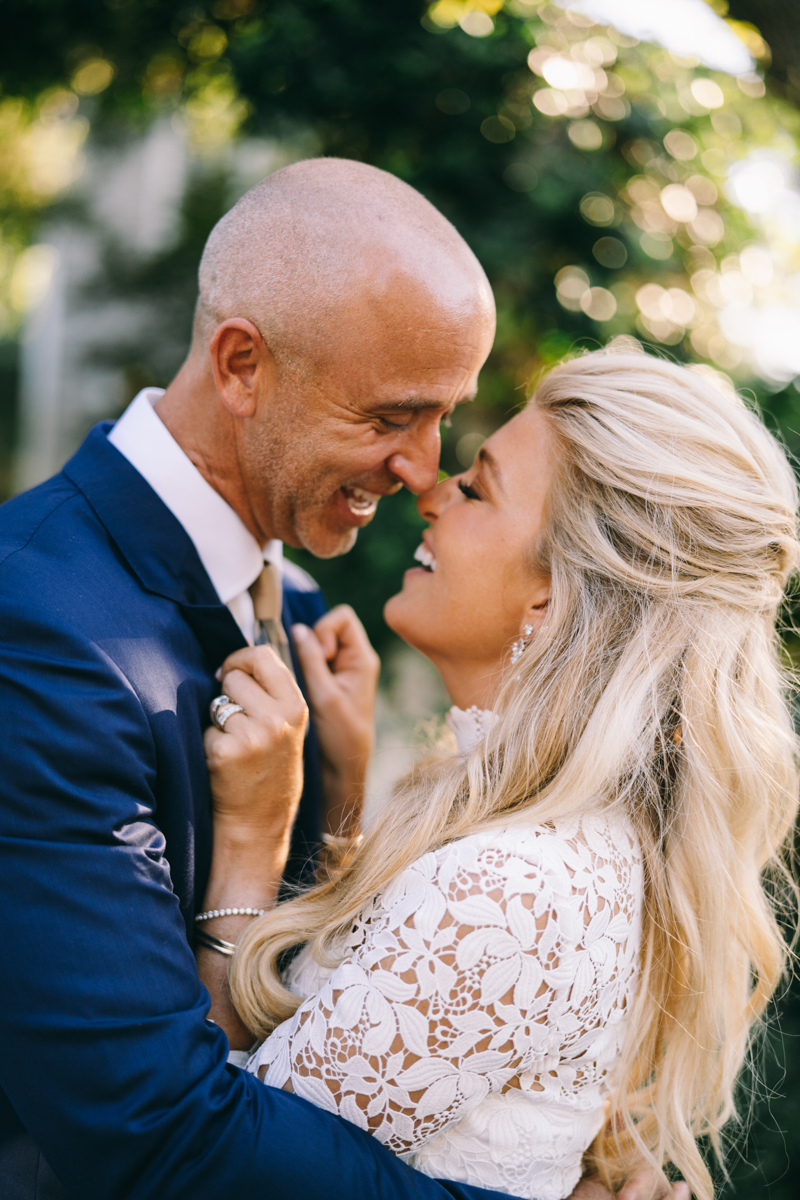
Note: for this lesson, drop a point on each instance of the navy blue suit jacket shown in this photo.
(113, 1085)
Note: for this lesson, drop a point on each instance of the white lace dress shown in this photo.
(475, 1020)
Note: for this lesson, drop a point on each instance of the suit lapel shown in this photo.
(152, 541)
(215, 630)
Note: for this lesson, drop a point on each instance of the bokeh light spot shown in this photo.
(586, 135)
(678, 202)
(707, 93)
(476, 23)
(452, 101)
(599, 304)
(597, 209)
(657, 245)
(468, 446)
(521, 176)
(93, 77)
(610, 252)
(571, 285)
(498, 129)
(680, 144)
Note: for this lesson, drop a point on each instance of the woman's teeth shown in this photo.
(423, 555)
(362, 503)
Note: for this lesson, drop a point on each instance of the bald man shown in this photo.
(340, 318)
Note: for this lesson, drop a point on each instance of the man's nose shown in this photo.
(417, 466)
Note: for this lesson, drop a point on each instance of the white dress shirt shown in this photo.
(230, 554)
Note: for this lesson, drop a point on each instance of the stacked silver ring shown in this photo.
(222, 709)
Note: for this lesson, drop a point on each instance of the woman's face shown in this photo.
(478, 585)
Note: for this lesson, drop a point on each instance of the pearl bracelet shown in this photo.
(231, 912)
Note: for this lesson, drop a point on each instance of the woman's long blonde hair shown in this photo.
(656, 686)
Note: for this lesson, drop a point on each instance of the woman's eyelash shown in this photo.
(468, 491)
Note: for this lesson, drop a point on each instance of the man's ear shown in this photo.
(242, 365)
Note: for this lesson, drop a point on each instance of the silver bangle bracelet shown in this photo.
(214, 943)
(231, 912)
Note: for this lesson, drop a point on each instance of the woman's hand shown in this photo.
(256, 767)
(256, 770)
(341, 673)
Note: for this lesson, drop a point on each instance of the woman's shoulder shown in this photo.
(581, 842)
(591, 853)
(563, 873)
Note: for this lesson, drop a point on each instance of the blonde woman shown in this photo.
(558, 939)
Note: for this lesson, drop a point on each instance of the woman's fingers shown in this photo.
(263, 665)
(326, 636)
(340, 628)
(314, 663)
(345, 640)
(273, 705)
(257, 703)
(261, 726)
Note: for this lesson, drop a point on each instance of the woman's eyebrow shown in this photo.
(487, 459)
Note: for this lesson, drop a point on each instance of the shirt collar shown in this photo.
(230, 554)
(470, 726)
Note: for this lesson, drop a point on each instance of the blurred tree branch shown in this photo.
(778, 21)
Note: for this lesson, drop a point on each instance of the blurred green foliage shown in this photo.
(549, 185)
(559, 182)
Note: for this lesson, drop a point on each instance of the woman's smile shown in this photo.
(424, 555)
(477, 561)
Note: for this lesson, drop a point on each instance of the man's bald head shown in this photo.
(322, 236)
(341, 318)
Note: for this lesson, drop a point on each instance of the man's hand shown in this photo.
(647, 1185)
(642, 1185)
(341, 673)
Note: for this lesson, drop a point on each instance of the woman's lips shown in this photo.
(425, 556)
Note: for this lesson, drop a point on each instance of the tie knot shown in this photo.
(267, 594)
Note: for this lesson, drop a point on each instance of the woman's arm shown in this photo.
(491, 959)
(256, 773)
(255, 766)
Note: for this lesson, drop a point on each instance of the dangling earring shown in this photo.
(520, 644)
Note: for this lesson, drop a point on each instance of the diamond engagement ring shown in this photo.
(222, 708)
(218, 702)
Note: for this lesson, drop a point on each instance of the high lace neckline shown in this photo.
(469, 725)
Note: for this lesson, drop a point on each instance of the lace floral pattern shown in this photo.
(475, 1020)
(470, 725)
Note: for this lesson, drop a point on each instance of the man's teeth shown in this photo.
(423, 555)
(361, 502)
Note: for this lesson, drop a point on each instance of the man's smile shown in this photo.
(361, 502)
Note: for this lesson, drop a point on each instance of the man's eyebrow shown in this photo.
(487, 459)
(417, 404)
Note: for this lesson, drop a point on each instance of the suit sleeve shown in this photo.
(105, 1053)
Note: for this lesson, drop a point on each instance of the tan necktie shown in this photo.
(267, 593)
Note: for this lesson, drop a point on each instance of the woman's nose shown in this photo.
(432, 503)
